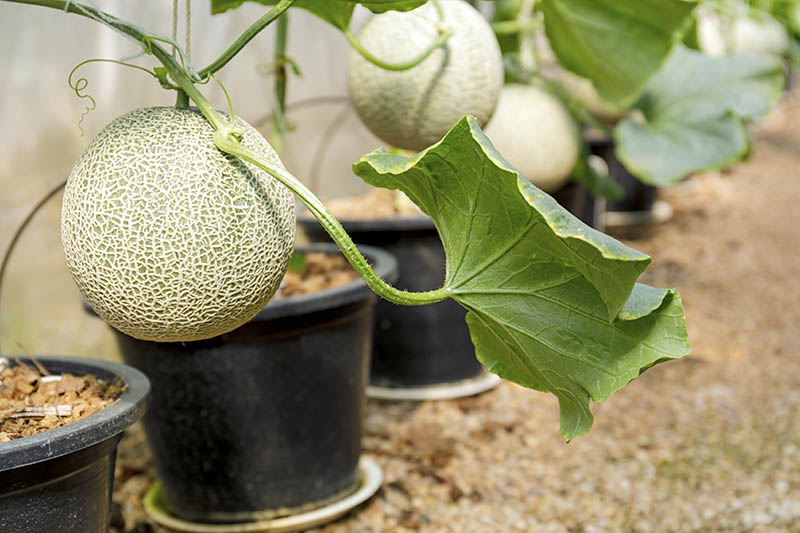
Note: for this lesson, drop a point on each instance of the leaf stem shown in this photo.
(246, 37)
(279, 103)
(182, 101)
(437, 43)
(333, 227)
(437, 4)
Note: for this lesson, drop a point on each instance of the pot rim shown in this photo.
(417, 223)
(88, 431)
(384, 264)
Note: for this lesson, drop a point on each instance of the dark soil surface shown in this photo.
(32, 400)
(709, 443)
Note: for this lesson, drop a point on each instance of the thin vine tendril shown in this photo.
(227, 97)
(80, 84)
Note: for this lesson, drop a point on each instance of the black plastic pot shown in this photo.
(61, 480)
(412, 346)
(639, 196)
(265, 420)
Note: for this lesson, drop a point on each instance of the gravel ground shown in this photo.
(710, 443)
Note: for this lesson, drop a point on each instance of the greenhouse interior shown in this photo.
(377, 266)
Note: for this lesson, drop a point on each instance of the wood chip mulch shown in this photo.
(33, 401)
(321, 271)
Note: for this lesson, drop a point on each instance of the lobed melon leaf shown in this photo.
(695, 111)
(336, 12)
(553, 304)
(618, 45)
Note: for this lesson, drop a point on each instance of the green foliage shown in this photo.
(553, 304)
(336, 12)
(618, 45)
(507, 10)
(600, 185)
(695, 111)
(297, 262)
(381, 6)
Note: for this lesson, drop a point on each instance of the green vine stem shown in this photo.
(332, 226)
(279, 98)
(312, 101)
(444, 35)
(182, 100)
(513, 27)
(246, 37)
(226, 138)
(437, 43)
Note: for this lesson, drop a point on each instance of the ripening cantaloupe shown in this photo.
(167, 237)
(535, 132)
(414, 108)
(763, 35)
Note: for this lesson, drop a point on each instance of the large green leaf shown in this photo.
(694, 113)
(553, 304)
(336, 12)
(617, 44)
(381, 6)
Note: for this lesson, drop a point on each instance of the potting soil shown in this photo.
(320, 271)
(33, 401)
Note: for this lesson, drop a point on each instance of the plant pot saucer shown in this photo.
(660, 212)
(439, 391)
(371, 479)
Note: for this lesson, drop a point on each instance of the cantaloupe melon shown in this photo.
(763, 35)
(414, 108)
(167, 237)
(534, 131)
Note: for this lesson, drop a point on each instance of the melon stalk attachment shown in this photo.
(444, 34)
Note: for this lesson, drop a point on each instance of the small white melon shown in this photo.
(533, 130)
(763, 35)
(414, 108)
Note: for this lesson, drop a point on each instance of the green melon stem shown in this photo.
(279, 126)
(182, 100)
(444, 34)
(246, 37)
(333, 227)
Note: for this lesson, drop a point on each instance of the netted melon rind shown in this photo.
(414, 108)
(168, 238)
